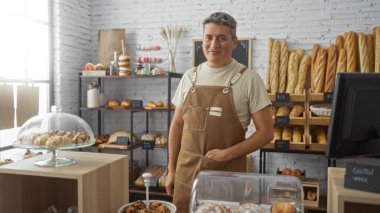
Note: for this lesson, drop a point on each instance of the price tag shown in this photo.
(281, 145)
(148, 144)
(122, 141)
(282, 98)
(137, 104)
(281, 121)
(362, 177)
(328, 97)
(154, 181)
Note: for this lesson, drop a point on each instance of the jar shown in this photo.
(93, 95)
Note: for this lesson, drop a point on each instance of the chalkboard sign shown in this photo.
(242, 52)
(362, 177)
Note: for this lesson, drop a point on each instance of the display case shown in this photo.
(246, 192)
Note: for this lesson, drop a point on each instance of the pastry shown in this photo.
(113, 137)
(297, 134)
(371, 52)
(89, 67)
(150, 137)
(56, 138)
(311, 195)
(301, 80)
(296, 111)
(284, 59)
(213, 208)
(162, 140)
(249, 208)
(342, 61)
(99, 67)
(314, 53)
(286, 171)
(297, 172)
(270, 44)
(102, 138)
(283, 207)
(160, 104)
(113, 103)
(319, 71)
(363, 53)
(274, 66)
(331, 68)
(126, 103)
(292, 73)
(151, 104)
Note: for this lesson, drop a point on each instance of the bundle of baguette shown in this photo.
(352, 52)
(290, 133)
(286, 69)
(294, 111)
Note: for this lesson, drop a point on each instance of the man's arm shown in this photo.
(175, 135)
(263, 135)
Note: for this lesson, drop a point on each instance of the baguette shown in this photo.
(292, 73)
(302, 71)
(287, 133)
(352, 52)
(283, 111)
(342, 61)
(331, 68)
(300, 52)
(274, 66)
(314, 52)
(320, 70)
(297, 134)
(339, 43)
(296, 111)
(321, 135)
(284, 58)
(371, 52)
(363, 53)
(377, 49)
(270, 44)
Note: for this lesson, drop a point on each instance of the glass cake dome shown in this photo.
(55, 131)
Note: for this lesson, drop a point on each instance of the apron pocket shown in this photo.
(197, 118)
(209, 164)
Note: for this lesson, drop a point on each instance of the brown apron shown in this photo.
(210, 122)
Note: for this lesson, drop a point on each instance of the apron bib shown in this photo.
(210, 122)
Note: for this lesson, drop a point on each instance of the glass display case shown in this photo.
(218, 191)
(53, 132)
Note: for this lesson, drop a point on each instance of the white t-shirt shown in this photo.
(249, 92)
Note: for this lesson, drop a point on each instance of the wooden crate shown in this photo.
(310, 186)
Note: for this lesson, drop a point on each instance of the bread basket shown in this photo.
(321, 109)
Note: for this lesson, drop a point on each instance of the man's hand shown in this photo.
(169, 183)
(217, 155)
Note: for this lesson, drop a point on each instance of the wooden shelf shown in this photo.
(292, 97)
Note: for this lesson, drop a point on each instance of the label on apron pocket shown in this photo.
(213, 113)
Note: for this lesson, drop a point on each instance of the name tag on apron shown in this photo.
(215, 111)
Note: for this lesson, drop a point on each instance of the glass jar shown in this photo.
(93, 95)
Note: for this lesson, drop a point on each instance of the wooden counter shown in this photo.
(97, 183)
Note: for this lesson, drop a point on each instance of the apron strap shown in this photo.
(194, 78)
(234, 79)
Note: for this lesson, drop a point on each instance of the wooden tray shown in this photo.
(157, 108)
(116, 107)
(114, 146)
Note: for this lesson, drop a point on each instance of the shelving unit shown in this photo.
(135, 191)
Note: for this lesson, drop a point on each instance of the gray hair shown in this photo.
(222, 19)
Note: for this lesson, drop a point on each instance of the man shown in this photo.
(215, 103)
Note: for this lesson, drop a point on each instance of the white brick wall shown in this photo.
(301, 22)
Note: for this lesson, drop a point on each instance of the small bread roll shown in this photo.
(342, 61)
(314, 53)
(283, 111)
(274, 66)
(332, 58)
(302, 71)
(283, 207)
(160, 104)
(292, 73)
(277, 133)
(321, 135)
(151, 104)
(363, 53)
(320, 70)
(284, 59)
(297, 134)
(297, 110)
(287, 133)
(126, 103)
(371, 52)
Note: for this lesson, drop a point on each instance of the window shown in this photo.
(25, 56)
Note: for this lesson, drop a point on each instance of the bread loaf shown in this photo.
(371, 52)
(320, 69)
(274, 66)
(277, 133)
(377, 49)
(363, 53)
(296, 111)
(332, 58)
(283, 111)
(314, 53)
(352, 52)
(302, 71)
(292, 73)
(320, 135)
(287, 133)
(270, 44)
(339, 43)
(284, 59)
(342, 61)
(297, 134)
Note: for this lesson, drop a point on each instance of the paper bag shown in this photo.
(7, 111)
(27, 103)
(110, 42)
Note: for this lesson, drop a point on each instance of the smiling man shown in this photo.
(215, 103)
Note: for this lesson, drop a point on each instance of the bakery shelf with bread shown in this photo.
(318, 138)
